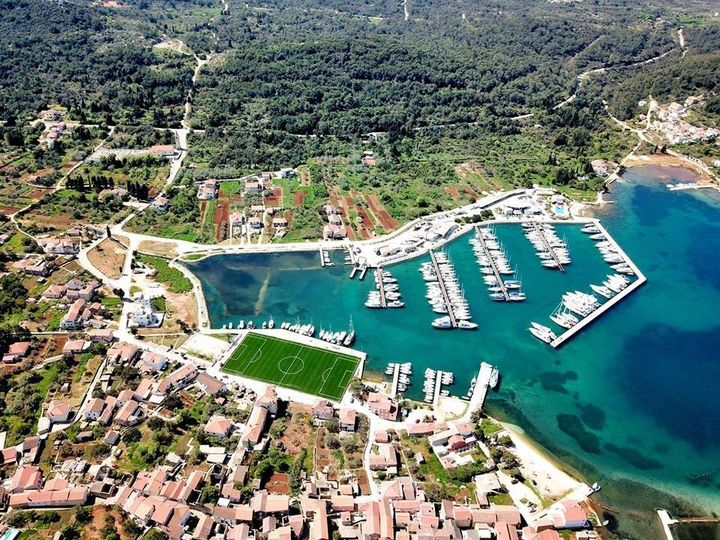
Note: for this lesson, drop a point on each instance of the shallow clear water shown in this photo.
(633, 396)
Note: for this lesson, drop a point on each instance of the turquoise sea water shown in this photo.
(632, 397)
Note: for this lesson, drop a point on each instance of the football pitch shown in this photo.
(293, 365)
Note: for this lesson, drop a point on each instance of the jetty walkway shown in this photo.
(537, 228)
(496, 272)
(441, 282)
(612, 302)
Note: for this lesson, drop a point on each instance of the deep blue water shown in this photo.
(634, 396)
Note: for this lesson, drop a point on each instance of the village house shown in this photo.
(208, 190)
(118, 193)
(26, 478)
(151, 362)
(255, 224)
(179, 378)
(127, 414)
(449, 444)
(253, 188)
(368, 158)
(145, 315)
(79, 314)
(143, 390)
(9, 455)
(101, 335)
(384, 459)
(34, 265)
(280, 222)
(54, 292)
(568, 514)
(75, 346)
(67, 497)
(16, 352)
(57, 411)
(107, 414)
(94, 409)
(161, 202)
(166, 151)
(210, 385)
(121, 353)
(599, 167)
(59, 245)
(218, 426)
(422, 429)
(323, 410)
(76, 288)
(382, 405)
(348, 418)
(237, 220)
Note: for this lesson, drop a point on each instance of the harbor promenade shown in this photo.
(607, 306)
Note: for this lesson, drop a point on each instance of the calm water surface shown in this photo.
(634, 397)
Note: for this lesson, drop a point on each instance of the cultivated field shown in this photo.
(293, 365)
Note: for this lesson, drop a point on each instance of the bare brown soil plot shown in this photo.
(53, 346)
(61, 222)
(363, 482)
(298, 431)
(386, 220)
(474, 194)
(279, 483)
(153, 247)
(299, 198)
(221, 219)
(453, 192)
(38, 193)
(7, 210)
(180, 307)
(108, 257)
(365, 225)
(275, 199)
(336, 200)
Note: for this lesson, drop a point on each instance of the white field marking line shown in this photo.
(325, 374)
(225, 366)
(297, 356)
(256, 357)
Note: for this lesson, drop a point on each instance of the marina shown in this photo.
(592, 363)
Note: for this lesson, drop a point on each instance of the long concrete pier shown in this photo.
(612, 302)
(537, 228)
(380, 286)
(496, 272)
(395, 381)
(667, 522)
(441, 282)
(482, 387)
(438, 388)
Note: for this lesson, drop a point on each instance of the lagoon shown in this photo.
(630, 402)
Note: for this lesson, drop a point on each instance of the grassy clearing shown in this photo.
(293, 365)
(174, 279)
